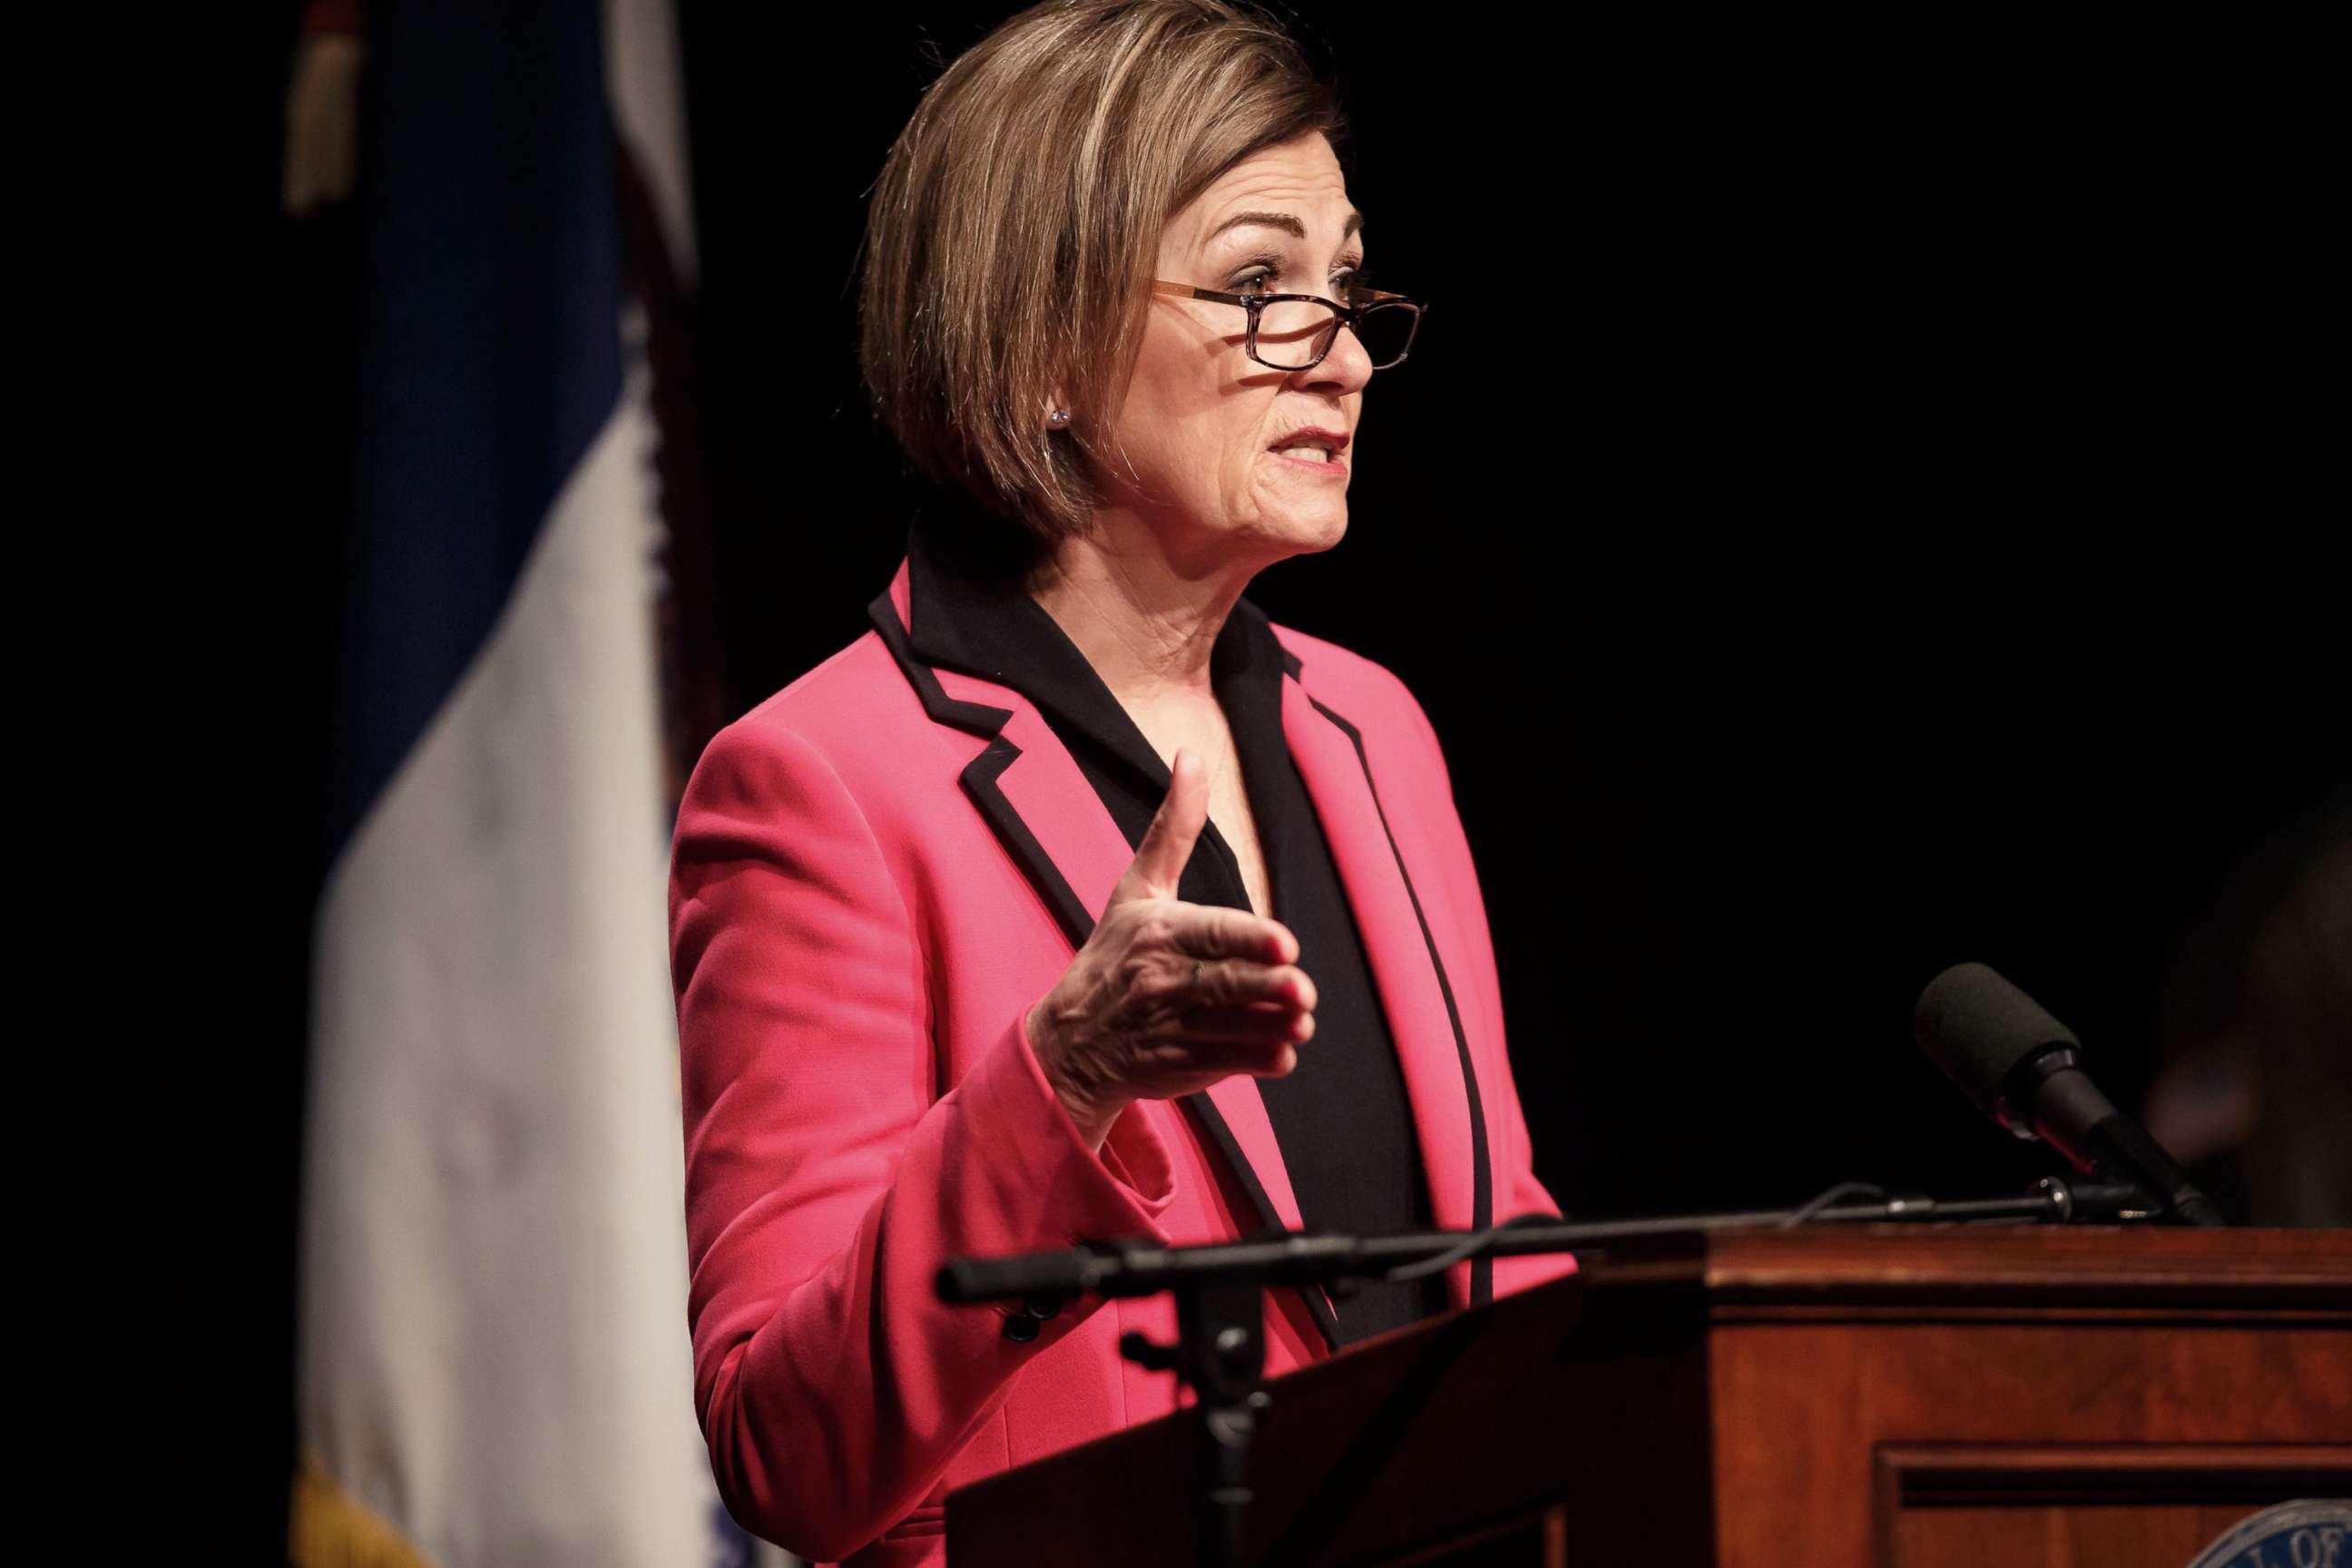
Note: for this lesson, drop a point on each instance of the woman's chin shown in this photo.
(1304, 532)
(1321, 533)
(1274, 533)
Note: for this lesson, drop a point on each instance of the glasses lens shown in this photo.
(1293, 333)
(1387, 331)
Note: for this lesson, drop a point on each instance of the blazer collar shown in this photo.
(1030, 791)
(964, 616)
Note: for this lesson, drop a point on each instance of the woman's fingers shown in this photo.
(1211, 931)
(1181, 1064)
(1167, 845)
(1264, 1059)
(1238, 982)
(1246, 1026)
(1168, 996)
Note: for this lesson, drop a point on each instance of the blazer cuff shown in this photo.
(1117, 1194)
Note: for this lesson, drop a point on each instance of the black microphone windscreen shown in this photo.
(1979, 1027)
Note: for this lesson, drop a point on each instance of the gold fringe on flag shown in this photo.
(328, 1528)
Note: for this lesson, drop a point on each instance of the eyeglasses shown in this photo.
(1293, 332)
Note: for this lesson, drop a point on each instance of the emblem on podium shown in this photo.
(2308, 1534)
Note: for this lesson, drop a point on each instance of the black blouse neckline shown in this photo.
(963, 618)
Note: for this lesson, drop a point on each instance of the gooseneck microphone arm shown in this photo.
(1315, 1258)
(2024, 1069)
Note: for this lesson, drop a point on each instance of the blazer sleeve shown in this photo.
(1517, 1190)
(827, 1174)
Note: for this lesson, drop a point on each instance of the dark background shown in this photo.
(1857, 505)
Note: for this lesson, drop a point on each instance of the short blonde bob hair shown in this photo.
(1018, 220)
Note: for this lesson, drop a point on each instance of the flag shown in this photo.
(494, 1365)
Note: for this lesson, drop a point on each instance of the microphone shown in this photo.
(2024, 1069)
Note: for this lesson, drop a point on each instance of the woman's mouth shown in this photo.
(1321, 459)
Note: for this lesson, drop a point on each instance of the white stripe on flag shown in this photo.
(495, 1357)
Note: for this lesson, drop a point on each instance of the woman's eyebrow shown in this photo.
(1284, 222)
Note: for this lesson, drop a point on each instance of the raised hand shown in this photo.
(1167, 997)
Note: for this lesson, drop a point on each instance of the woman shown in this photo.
(1076, 900)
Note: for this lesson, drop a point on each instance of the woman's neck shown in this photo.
(1146, 622)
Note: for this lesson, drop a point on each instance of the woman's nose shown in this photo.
(1347, 367)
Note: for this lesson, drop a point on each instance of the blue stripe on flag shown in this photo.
(490, 353)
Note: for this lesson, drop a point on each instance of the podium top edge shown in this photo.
(2274, 1266)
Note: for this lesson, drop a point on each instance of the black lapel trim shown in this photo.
(980, 775)
(1482, 1202)
(1213, 1122)
(978, 780)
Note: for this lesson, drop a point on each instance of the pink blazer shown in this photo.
(878, 871)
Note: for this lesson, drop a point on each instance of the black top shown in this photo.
(1341, 1117)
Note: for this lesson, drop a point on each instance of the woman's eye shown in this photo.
(1263, 282)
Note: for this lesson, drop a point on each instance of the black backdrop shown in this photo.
(1859, 504)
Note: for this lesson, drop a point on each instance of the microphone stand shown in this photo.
(1220, 1347)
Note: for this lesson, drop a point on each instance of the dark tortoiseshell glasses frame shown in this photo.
(1360, 302)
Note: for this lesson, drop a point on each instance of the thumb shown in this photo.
(1167, 845)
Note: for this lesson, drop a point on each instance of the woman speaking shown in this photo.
(1076, 900)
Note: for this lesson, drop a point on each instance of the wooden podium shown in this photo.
(1883, 1395)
